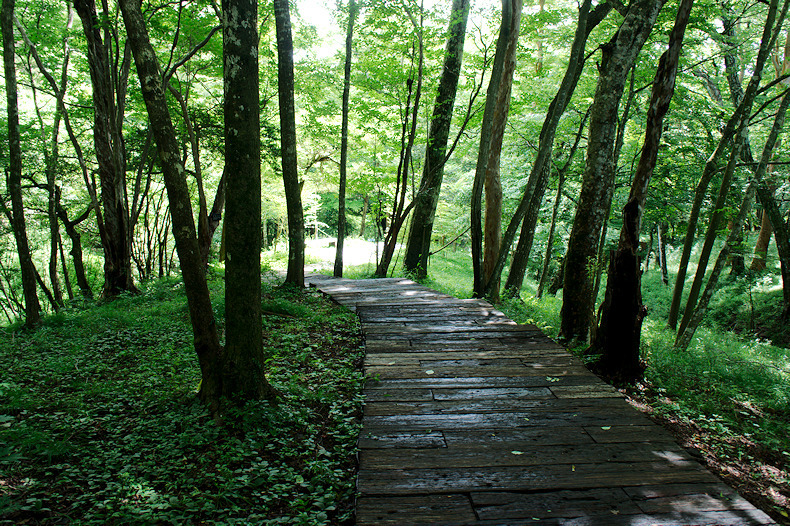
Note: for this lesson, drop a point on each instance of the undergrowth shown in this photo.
(99, 423)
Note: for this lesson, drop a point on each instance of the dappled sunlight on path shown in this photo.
(471, 418)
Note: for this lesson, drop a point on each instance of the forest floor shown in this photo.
(99, 422)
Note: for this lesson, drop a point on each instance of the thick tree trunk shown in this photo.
(418, 245)
(487, 168)
(712, 165)
(597, 185)
(14, 173)
(341, 198)
(110, 155)
(243, 368)
(617, 339)
(293, 197)
(201, 314)
(76, 248)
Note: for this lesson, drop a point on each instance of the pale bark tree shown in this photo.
(588, 19)
(487, 168)
(293, 198)
(14, 170)
(617, 340)
(419, 241)
(619, 55)
(341, 199)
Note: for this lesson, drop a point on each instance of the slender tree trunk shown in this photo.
(110, 154)
(341, 198)
(588, 20)
(491, 134)
(14, 171)
(293, 198)
(713, 163)
(365, 205)
(204, 327)
(662, 253)
(418, 245)
(763, 241)
(243, 368)
(694, 310)
(597, 185)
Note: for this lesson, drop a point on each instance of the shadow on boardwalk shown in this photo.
(471, 418)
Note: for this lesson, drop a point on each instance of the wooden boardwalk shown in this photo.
(471, 418)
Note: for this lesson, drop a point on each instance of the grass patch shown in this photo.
(99, 422)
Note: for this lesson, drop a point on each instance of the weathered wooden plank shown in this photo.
(628, 434)
(552, 357)
(479, 382)
(604, 502)
(507, 405)
(533, 478)
(585, 391)
(414, 510)
(503, 454)
(480, 371)
(430, 439)
(521, 439)
(398, 395)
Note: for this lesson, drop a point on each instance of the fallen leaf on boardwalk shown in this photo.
(517, 452)
(573, 468)
(606, 428)
(429, 371)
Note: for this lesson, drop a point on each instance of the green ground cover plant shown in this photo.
(99, 423)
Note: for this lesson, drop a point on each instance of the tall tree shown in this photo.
(619, 55)
(617, 339)
(293, 198)
(418, 244)
(712, 165)
(588, 19)
(341, 206)
(14, 171)
(487, 168)
(243, 366)
(109, 77)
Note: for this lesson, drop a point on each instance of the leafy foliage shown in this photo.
(98, 418)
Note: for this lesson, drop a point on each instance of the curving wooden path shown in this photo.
(471, 418)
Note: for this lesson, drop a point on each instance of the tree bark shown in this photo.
(110, 153)
(762, 243)
(597, 185)
(243, 368)
(341, 196)
(588, 20)
(617, 340)
(201, 314)
(293, 198)
(418, 245)
(14, 171)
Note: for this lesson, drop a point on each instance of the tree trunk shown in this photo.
(662, 253)
(763, 241)
(588, 20)
(694, 310)
(418, 245)
(14, 173)
(618, 58)
(243, 368)
(201, 314)
(617, 339)
(293, 197)
(365, 205)
(110, 155)
(341, 198)
(713, 162)
(491, 133)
